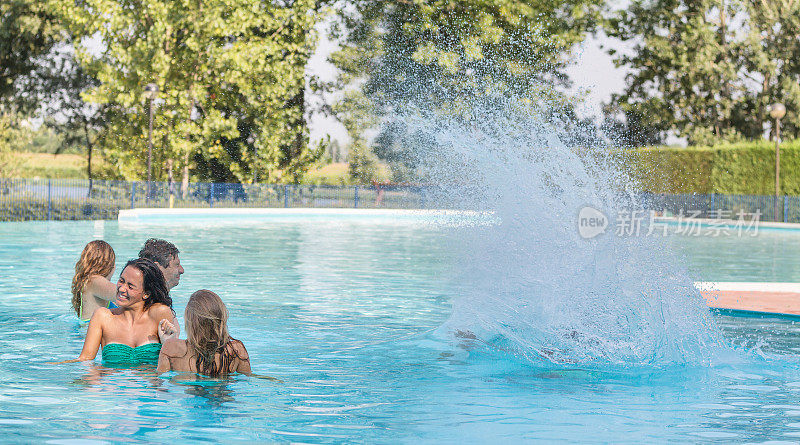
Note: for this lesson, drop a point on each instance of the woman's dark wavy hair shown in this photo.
(153, 283)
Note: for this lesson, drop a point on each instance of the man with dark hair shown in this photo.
(165, 255)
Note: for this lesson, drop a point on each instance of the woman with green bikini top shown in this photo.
(131, 334)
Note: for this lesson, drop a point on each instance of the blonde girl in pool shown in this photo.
(208, 348)
(91, 286)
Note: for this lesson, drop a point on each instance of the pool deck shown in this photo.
(770, 298)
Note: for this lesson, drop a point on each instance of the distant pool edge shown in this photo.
(161, 215)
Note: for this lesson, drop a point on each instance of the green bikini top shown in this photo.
(119, 355)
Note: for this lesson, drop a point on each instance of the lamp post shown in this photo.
(777, 111)
(150, 92)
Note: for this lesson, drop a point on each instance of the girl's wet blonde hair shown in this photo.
(97, 258)
(207, 333)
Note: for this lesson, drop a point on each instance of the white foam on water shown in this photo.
(531, 284)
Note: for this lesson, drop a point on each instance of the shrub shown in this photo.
(742, 168)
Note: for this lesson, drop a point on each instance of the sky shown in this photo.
(593, 73)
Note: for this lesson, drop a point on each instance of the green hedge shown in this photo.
(742, 169)
(37, 209)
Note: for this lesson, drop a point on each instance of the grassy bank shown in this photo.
(48, 166)
(73, 166)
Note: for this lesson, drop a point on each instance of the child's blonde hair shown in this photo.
(207, 333)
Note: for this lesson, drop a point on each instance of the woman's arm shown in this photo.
(172, 348)
(94, 335)
(101, 288)
(161, 312)
(163, 362)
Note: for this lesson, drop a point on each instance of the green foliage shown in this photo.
(28, 30)
(742, 168)
(64, 210)
(750, 169)
(231, 78)
(438, 53)
(363, 164)
(673, 170)
(708, 69)
(402, 46)
(331, 174)
(14, 135)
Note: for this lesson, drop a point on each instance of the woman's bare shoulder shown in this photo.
(174, 347)
(100, 317)
(102, 313)
(160, 311)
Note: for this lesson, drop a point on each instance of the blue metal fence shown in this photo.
(73, 199)
(716, 206)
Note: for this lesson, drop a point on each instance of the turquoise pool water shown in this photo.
(348, 315)
(771, 255)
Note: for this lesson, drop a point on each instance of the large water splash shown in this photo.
(530, 284)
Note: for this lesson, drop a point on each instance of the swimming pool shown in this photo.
(348, 314)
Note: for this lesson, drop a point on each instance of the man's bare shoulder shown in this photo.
(174, 347)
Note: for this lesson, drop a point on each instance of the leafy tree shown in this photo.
(440, 52)
(771, 65)
(61, 83)
(28, 31)
(707, 69)
(231, 78)
(362, 163)
(355, 113)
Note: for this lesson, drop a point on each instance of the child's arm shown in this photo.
(171, 348)
(163, 362)
(101, 288)
(244, 359)
(161, 312)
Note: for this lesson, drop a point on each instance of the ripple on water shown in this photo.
(714, 434)
(78, 442)
(758, 388)
(15, 422)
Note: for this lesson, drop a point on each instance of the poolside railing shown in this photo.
(718, 206)
(77, 199)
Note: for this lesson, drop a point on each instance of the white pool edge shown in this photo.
(748, 286)
(141, 215)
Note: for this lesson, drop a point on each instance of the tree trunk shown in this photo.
(89, 147)
(724, 120)
(170, 182)
(185, 181)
